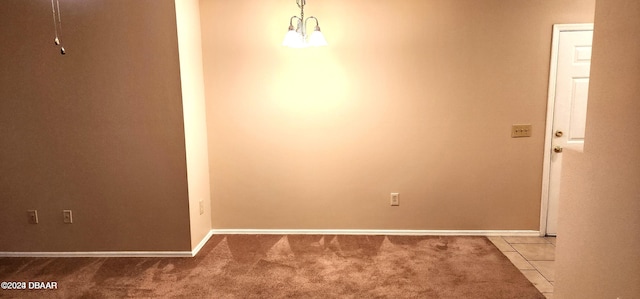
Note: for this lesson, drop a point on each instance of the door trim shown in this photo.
(551, 100)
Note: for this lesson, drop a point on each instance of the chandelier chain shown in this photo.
(57, 25)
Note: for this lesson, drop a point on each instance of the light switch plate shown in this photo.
(520, 131)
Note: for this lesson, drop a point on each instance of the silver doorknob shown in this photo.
(557, 149)
(559, 133)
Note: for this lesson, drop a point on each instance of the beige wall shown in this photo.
(195, 123)
(598, 250)
(98, 131)
(415, 97)
(316, 138)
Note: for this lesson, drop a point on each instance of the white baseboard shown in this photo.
(519, 233)
(202, 243)
(100, 254)
(113, 253)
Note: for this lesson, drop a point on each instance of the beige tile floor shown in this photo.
(534, 257)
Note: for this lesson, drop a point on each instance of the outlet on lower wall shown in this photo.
(201, 207)
(33, 216)
(67, 216)
(395, 199)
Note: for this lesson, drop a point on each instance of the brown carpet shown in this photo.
(294, 266)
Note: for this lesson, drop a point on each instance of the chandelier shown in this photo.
(297, 37)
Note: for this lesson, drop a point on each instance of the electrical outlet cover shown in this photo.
(67, 216)
(33, 216)
(395, 199)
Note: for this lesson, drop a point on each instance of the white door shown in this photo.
(567, 110)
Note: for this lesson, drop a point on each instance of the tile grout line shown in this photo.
(546, 241)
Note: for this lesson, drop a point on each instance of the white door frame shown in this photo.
(551, 100)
